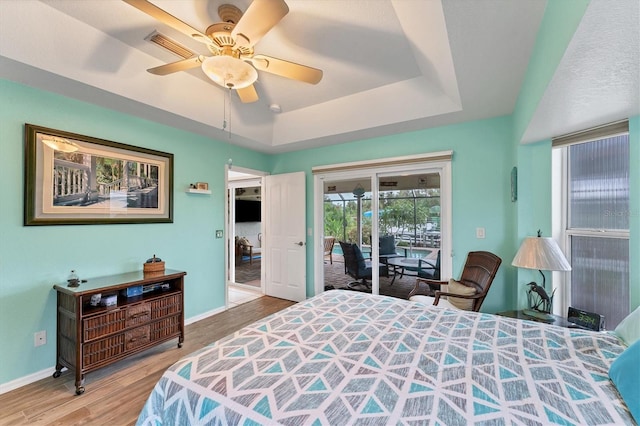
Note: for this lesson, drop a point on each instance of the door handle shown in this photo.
(299, 243)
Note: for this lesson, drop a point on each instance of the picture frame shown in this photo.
(72, 179)
(202, 185)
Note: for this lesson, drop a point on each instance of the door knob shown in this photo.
(300, 243)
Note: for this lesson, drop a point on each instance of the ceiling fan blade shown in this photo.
(287, 69)
(168, 19)
(181, 65)
(248, 94)
(260, 17)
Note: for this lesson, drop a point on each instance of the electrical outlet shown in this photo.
(219, 233)
(40, 338)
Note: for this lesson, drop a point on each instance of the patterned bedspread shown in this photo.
(348, 358)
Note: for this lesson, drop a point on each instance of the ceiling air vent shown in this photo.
(170, 45)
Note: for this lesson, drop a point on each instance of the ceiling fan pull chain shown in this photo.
(224, 112)
(228, 120)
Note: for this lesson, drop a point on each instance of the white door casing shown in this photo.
(285, 239)
(438, 162)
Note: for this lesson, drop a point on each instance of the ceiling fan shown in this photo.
(233, 63)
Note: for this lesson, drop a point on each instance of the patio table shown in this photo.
(408, 266)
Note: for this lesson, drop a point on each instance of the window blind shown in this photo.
(595, 133)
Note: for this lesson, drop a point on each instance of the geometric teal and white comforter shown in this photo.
(349, 358)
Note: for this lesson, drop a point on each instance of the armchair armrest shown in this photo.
(439, 293)
(430, 285)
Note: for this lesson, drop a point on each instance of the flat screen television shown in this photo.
(248, 211)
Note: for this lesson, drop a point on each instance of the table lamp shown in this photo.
(541, 253)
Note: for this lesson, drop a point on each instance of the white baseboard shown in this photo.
(23, 381)
(48, 372)
(204, 315)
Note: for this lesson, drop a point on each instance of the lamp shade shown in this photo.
(541, 253)
(229, 72)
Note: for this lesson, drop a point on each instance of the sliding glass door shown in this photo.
(397, 218)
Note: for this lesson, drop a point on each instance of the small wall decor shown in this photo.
(202, 185)
(72, 179)
(514, 184)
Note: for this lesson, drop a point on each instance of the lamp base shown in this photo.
(538, 315)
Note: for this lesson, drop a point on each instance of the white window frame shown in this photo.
(560, 215)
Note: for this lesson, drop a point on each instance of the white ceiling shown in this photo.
(389, 65)
(598, 79)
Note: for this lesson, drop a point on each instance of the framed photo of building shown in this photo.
(72, 179)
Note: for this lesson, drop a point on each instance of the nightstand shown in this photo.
(555, 320)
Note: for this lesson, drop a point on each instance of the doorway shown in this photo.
(245, 276)
(282, 256)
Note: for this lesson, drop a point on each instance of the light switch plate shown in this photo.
(479, 232)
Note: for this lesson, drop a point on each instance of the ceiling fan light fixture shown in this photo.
(229, 72)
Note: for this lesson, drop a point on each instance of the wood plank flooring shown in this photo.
(116, 394)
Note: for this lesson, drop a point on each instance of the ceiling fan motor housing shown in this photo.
(229, 13)
(220, 35)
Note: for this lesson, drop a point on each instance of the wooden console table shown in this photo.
(90, 337)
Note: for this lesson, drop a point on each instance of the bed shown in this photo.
(351, 358)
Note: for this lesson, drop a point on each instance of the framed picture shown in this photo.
(202, 185)
(72, 179)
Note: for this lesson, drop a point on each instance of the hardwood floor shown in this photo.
(115, 395)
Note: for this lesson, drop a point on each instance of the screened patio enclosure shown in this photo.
(409, 209)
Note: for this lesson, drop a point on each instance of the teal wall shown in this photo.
(481, 173)
(559, 23)
(534, 204)
(33, 258)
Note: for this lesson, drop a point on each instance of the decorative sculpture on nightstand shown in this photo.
(538, 298)
(541, 253)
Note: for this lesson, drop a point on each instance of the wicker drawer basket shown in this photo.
(138, 314)
(165, 328)
(101, 325)
(166, 306)
(137, 337)
(102, 350)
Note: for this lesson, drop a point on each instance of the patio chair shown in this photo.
(430, 271)
(469, 292)
(358, 267)
(387, 248)
(328, 247)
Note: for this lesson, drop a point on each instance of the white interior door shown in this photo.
(285, 240)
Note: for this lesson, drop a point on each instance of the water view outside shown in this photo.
(411, 216)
